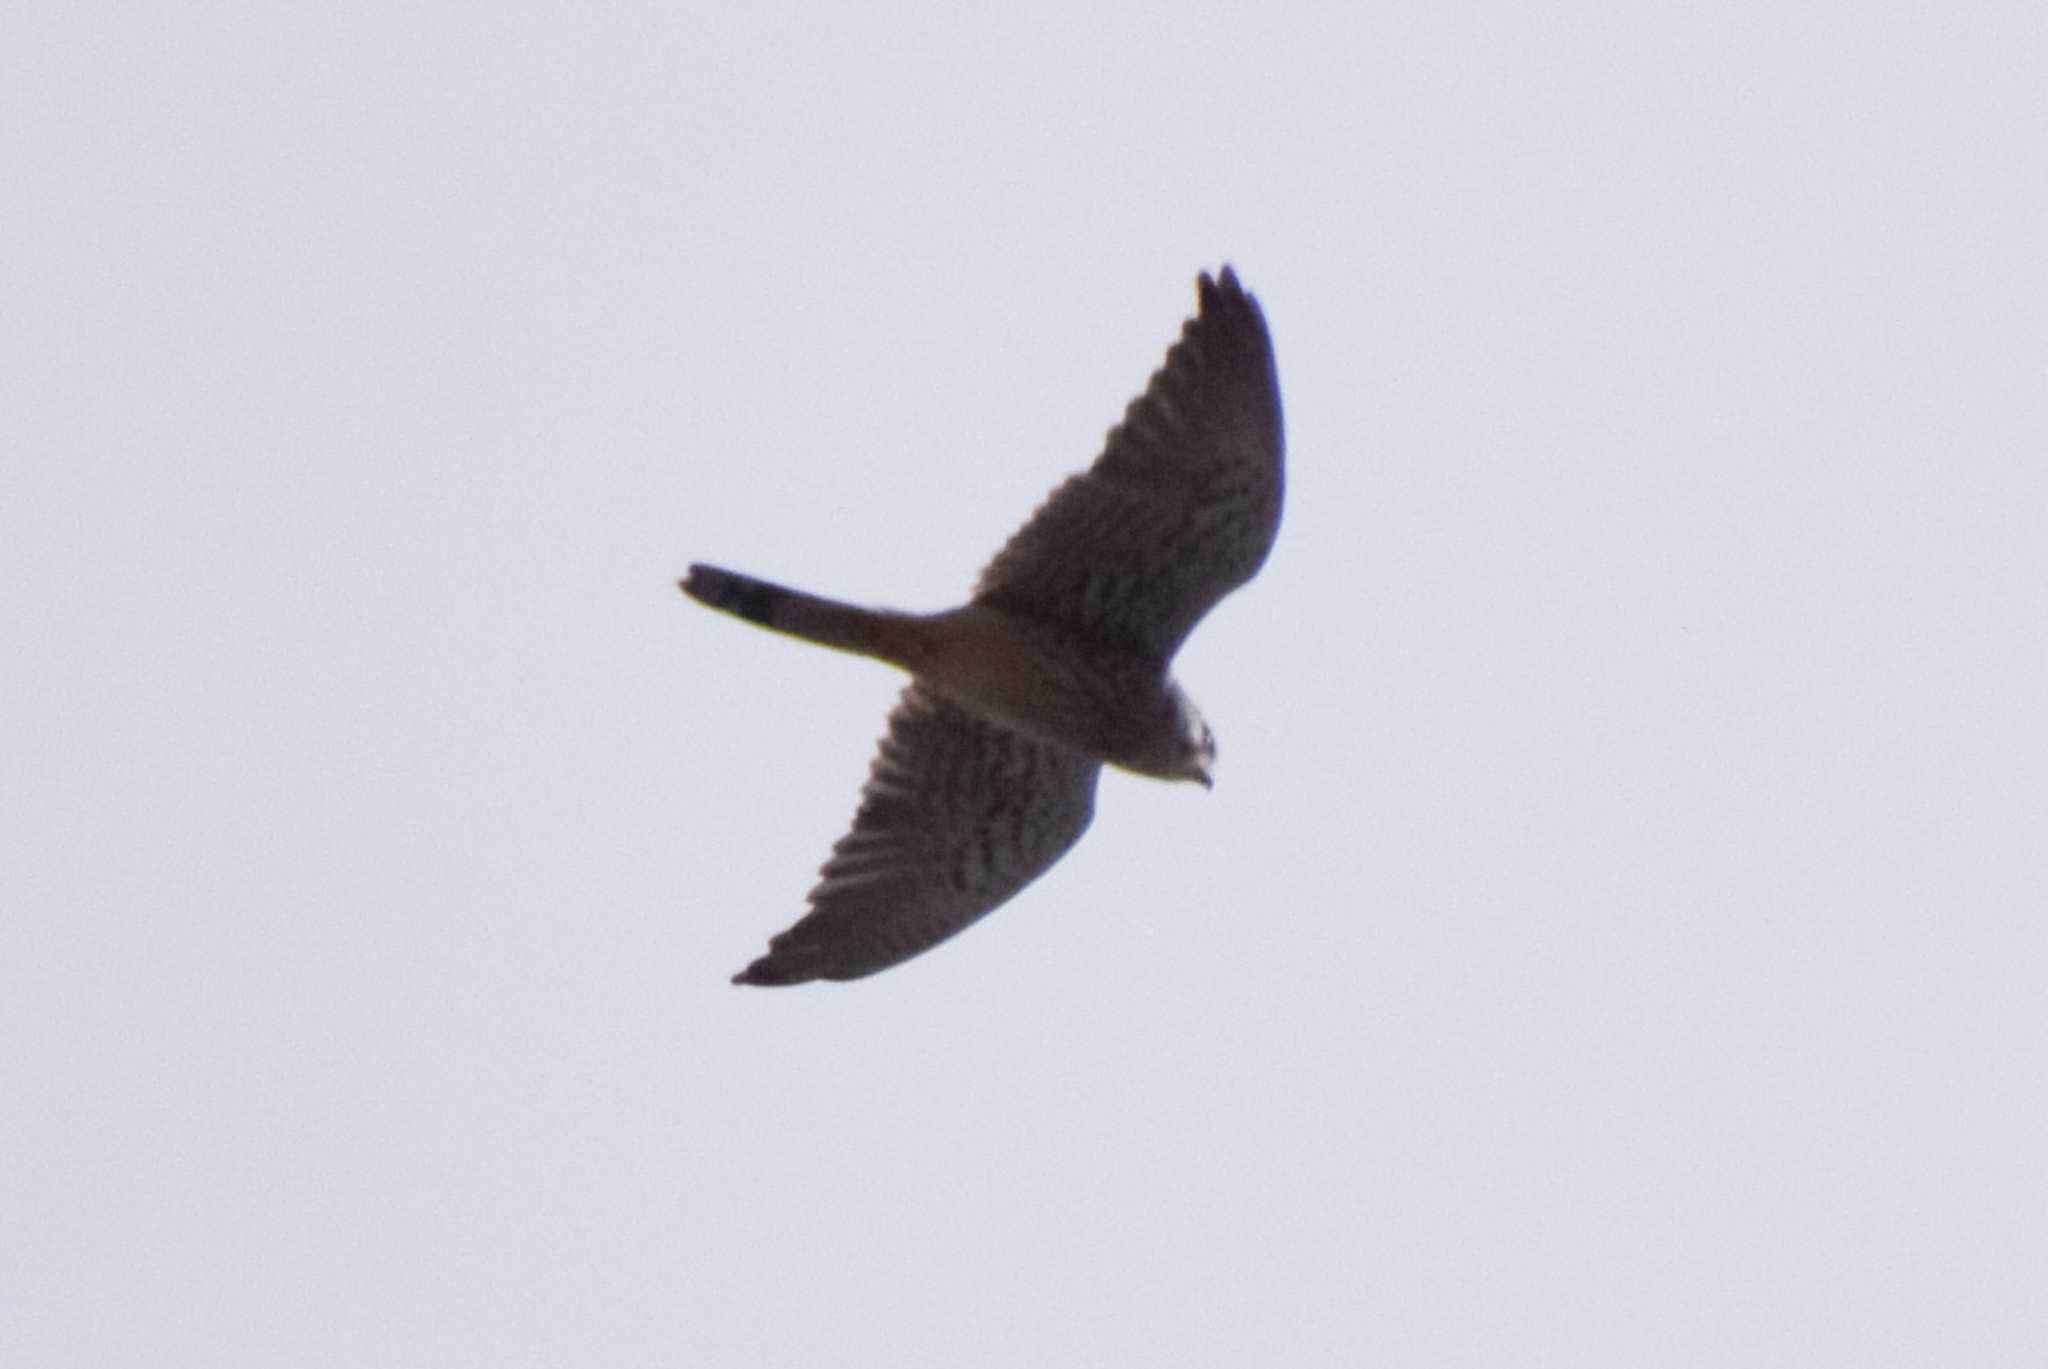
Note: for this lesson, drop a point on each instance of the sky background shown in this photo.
(1616, 935)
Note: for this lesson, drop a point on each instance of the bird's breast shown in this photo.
(1039, 680)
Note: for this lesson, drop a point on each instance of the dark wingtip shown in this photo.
(766, 973)
(1211, 291)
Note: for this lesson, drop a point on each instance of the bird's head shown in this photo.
(1195, 757)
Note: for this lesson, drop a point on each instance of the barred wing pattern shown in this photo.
(1181, 507)
(957, 815)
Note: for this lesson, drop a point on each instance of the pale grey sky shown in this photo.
(1616, 936)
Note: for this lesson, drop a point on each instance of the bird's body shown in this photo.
(1106, 702)
(1057, 665)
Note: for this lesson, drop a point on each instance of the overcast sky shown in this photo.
(1616, 936)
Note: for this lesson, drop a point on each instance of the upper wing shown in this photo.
(1180, 508)
(958, 814)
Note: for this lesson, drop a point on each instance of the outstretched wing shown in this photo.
(958, 814)
(1180, 508)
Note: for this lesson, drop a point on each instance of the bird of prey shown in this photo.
(1055, 666)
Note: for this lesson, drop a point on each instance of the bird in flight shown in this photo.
(1056, 666)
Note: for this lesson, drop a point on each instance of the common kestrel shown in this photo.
(1054, 667)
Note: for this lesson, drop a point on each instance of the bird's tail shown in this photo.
(898, 638)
